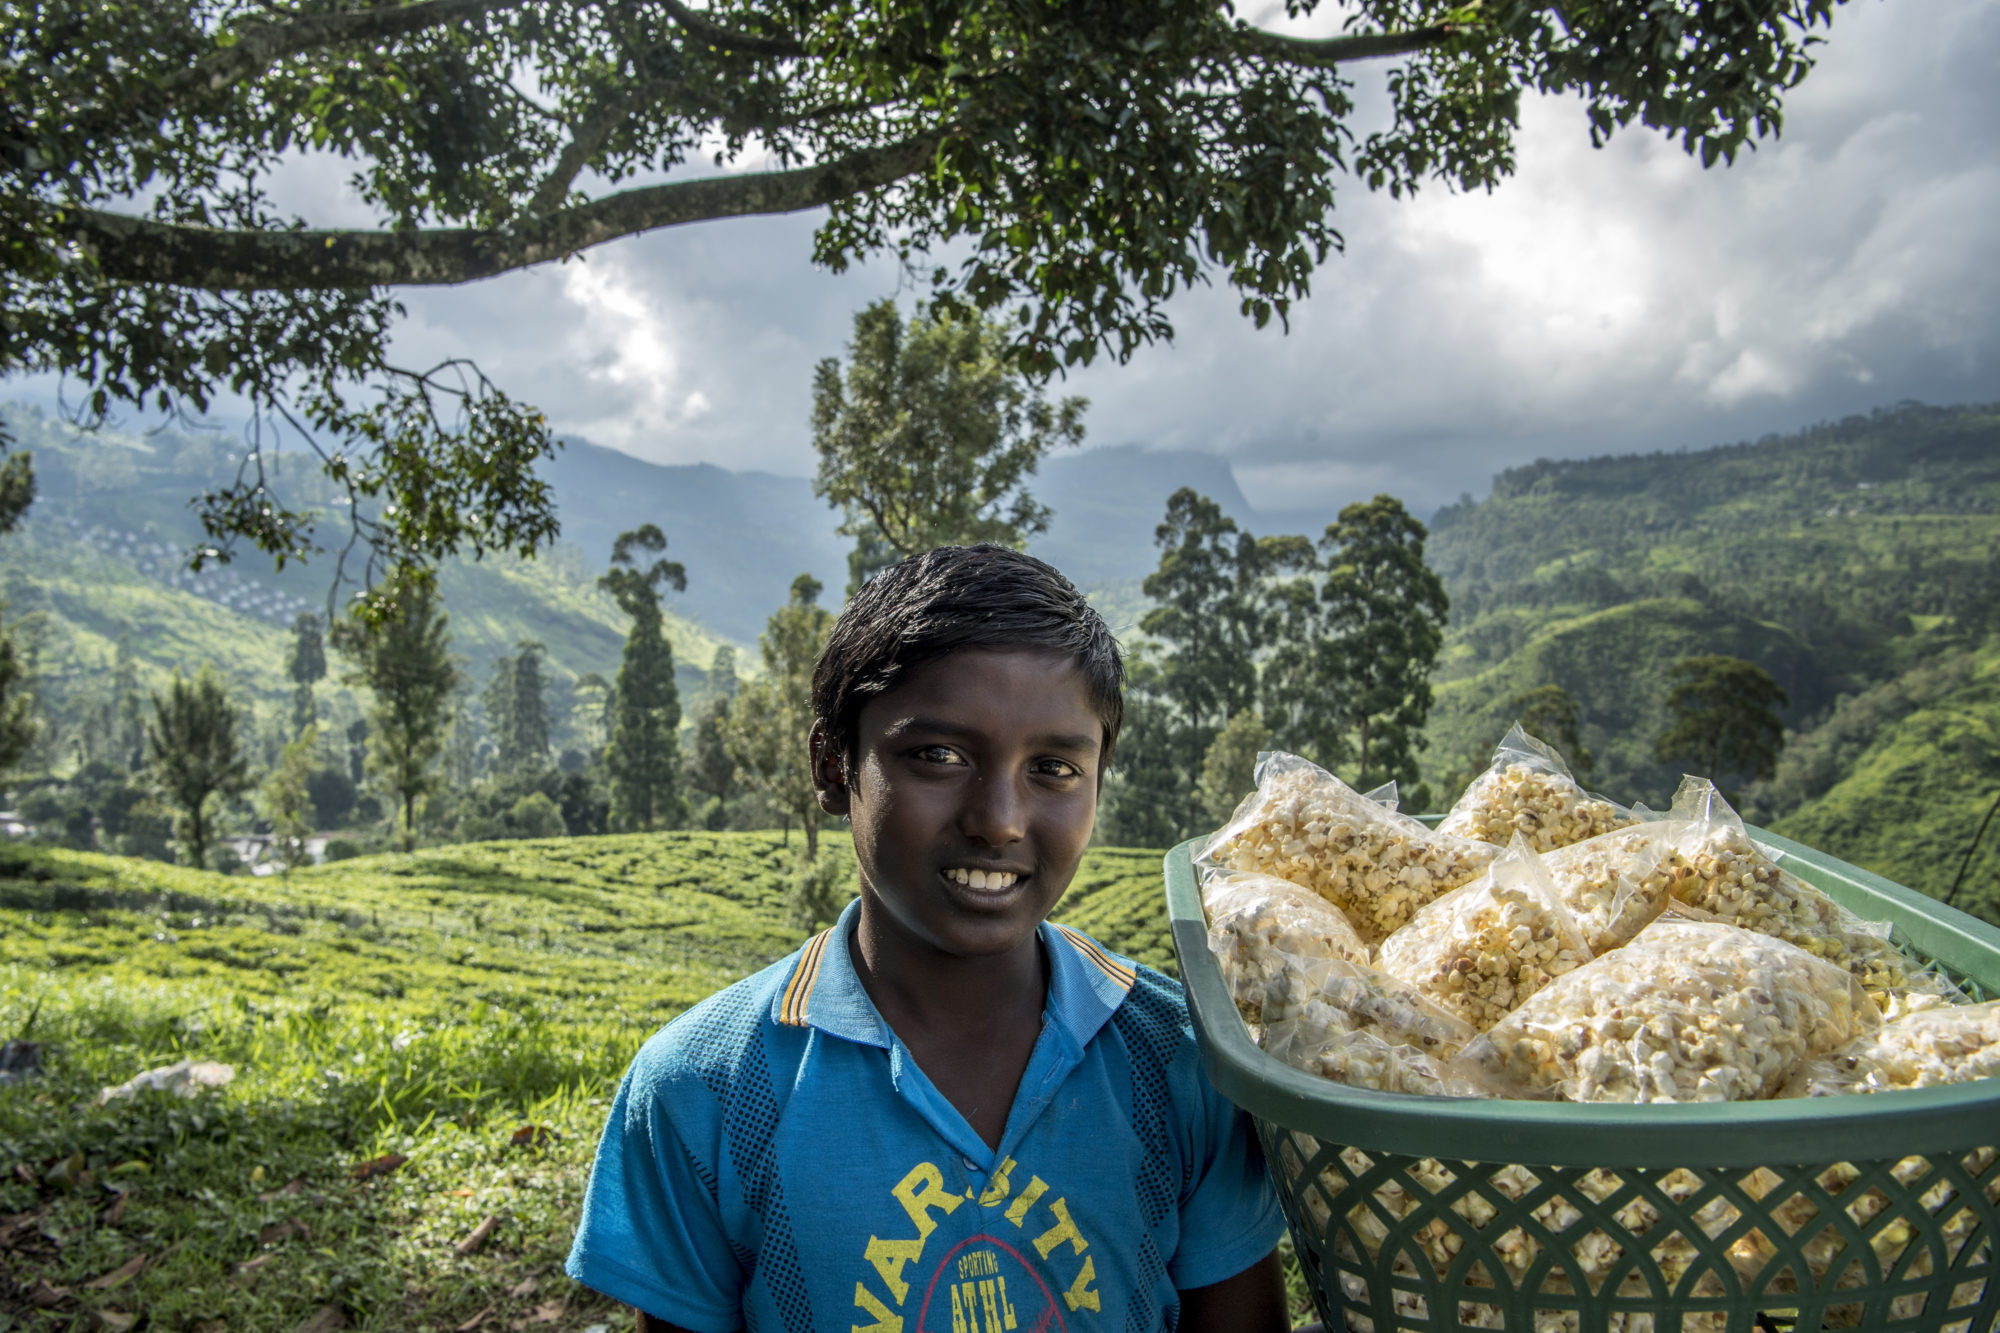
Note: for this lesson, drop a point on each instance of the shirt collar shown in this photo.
(1087, 983)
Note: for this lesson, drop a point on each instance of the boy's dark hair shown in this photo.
(946, 601)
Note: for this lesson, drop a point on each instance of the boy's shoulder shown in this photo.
(712, 1040)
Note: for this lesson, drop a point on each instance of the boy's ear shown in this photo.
(829, 774)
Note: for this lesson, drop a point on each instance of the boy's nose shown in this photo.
(994, 813)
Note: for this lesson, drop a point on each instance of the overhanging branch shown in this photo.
(259, 45)
(132, 249)
(715, 34)
(1335, 50)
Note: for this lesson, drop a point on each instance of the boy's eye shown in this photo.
(1057, 768)
(939, 754)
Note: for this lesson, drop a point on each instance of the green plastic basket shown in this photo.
(1407, 1213)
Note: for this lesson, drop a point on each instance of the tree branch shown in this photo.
(708, 30)
(583, 146)
(1333, 50)
(132, 249)
(261, 44)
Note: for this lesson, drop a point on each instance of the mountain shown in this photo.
(1858, 561)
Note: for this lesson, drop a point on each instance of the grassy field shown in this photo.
(459, 1017)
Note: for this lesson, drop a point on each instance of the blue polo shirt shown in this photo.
(776, 1160)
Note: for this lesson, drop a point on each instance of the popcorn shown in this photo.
(1529, 791)
(1689, 1011)
(1488, 946)
(1259, 925)
(1925, 1049)
(1307, 826)
(1720, 871)
(1355, 1025)
(1614, 884)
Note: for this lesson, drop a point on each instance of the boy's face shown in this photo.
(979, 766)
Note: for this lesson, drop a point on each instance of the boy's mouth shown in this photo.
(989, 880)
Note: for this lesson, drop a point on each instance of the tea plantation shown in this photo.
(424, 1047)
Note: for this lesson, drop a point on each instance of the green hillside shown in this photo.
(1858, 562)
(101, 561)
(467, 1008)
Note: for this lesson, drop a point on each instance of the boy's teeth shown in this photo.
(981, 879)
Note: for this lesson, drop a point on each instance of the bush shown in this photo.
(342, 849)
(819, 889)
(536, 816)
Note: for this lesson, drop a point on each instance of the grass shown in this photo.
(467, 1009)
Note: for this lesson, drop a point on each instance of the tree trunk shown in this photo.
(409, 821)
(785, 823)
(811, 827)
(1361, 778)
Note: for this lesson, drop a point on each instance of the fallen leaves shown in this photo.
(44, 1296)
(116, 1321)
(524, 1288)
(478, 1236)
(379, 1166)
(279, 1232)
(249, 1267)
(326, 1319)
(473, 1323)
(531, 1136)
(125, 1272)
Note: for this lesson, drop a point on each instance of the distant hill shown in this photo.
(1858, 561)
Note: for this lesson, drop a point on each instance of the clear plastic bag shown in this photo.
(1687, 1012)
(1483, 949)
(1350, 1023)
(1615, 884)
(1529, 790)
(1259, 925)
(1719, 870)
(1954, 1044)
(1307, 826)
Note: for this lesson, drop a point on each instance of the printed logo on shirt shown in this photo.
(986, 1283)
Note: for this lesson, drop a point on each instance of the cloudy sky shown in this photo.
(1599, 301)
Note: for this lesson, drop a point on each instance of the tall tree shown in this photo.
(772, 715)
(1722, 717)
(929, 437)
(1550, 713)
(1211, 612)
(710, 769)
(517, 709)
(306, 666)
(17, 705)
(193, 755)
(643, 757)
(287, 799)
(1229, 769)
(403, 656)
(1081, 163)
(1351, 675)
(722, 671)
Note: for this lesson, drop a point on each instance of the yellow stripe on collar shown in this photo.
(798, 991)
(1120, 974)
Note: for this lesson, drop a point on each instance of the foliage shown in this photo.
(821, 886)
(288, 800)
(1082, 164)
(403, 657)
(644, 754)
(1351, 674)
(306, 666)
(1722, 717)
(1550, 714)
(1148, 798)
(772, 715)
(1211, 612)
(929, 437)
(192, 755)
(1229, 769)
(17, 704)
(517, 710)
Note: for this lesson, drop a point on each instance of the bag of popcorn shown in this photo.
(1529, 791)
(1689, 1011)
(1617, 883)
(1719, 870)
(1305, 825)
(1483, 949)
(1351, 1023)
(1258, 925)
(1926, 1049)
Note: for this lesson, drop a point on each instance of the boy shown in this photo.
(942, 1115)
